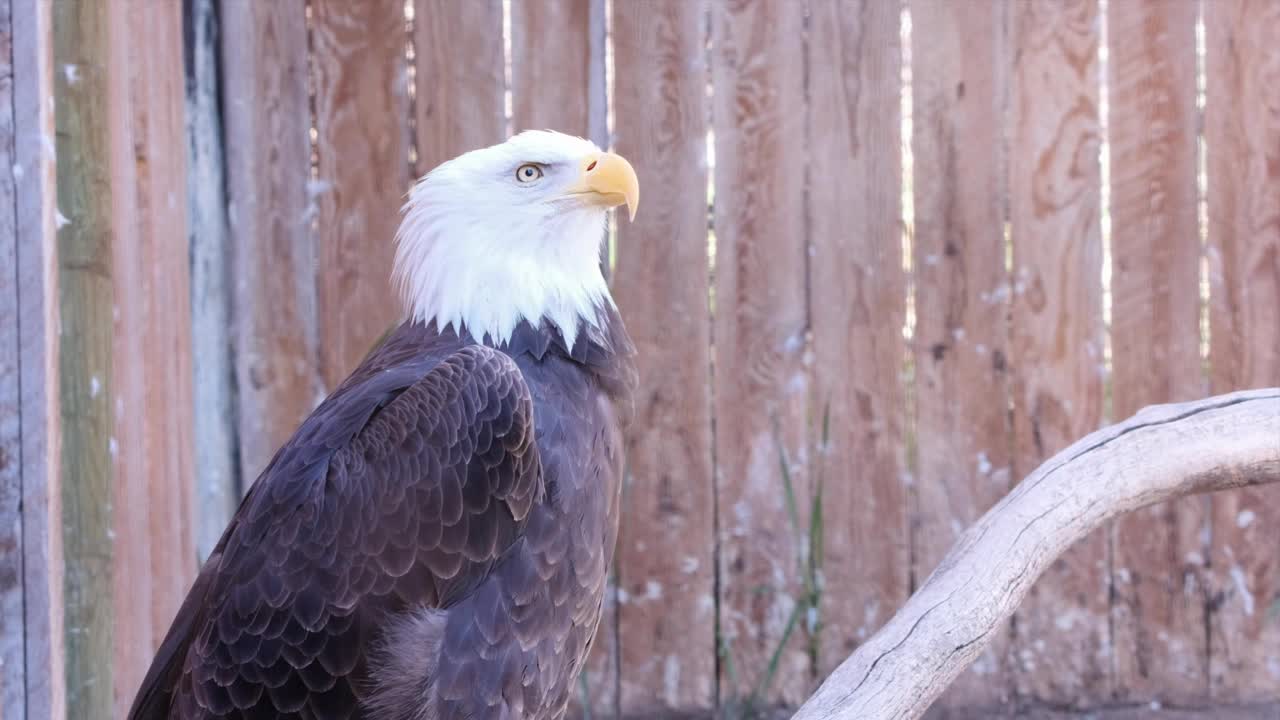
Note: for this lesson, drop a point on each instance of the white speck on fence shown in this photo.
(1242, 586)
(984, 464)
(671, 678)
(652, 590)
(998, 296)
(1245, 519)
(793, 343)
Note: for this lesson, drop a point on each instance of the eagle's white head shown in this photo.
(512, 232)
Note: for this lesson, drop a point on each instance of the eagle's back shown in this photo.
(433, 542)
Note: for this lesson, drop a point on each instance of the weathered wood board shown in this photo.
(1158, 554)
(362, 139)
(960, 347)
(217, 478)
(154, 558)
(12, 660)
(458, 105)
(762, 387)
(36, 272)
(1061, 638)
(267, 114)
(856, 309)
(1242, 138)
(665, 560)
(85, 200)
(551, 52)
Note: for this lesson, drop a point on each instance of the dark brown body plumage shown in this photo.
(432, 544)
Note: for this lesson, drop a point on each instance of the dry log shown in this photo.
(1163, 452)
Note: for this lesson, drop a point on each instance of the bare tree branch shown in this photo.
(1162, 453)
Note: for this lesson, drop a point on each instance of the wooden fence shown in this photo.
(838, 374)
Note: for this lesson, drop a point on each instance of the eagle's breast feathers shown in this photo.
(433, 541)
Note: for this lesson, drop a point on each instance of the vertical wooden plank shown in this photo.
(161, 168)
(362, 126)
(550, 65)
(1242, 137)
(960, 348)
(458, 104)
(40, 448)
(217, 482)
(597, 82)
(267, 113)
(81, 53)
(1063, 652)
(857, 301)
(12, 660)
(158, 98)
(760, 322)
(1161, 643)
(666, 549)
(154, 560)
(130, 502)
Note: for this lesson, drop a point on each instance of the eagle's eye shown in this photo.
(527, 173)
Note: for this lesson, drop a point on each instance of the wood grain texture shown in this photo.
(1242, 136)
(550, 65)
(151, 392)
(85, 199)
(665, 558)
(960, 347)
(458, 105)
(760, 321)
(362, 124)
(597, 81)
(267, 115)
(12, 660)
(1063, 652)
(37, 269)
(217, 481)
(1158, 554)
(132, 584)
(857, 304)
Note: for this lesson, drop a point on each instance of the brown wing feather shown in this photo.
(401, 490)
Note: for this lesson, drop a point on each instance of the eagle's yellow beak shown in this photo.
(609, 180)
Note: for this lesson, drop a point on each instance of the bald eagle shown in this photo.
(433, 541)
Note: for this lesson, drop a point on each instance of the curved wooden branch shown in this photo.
(1163, 452)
